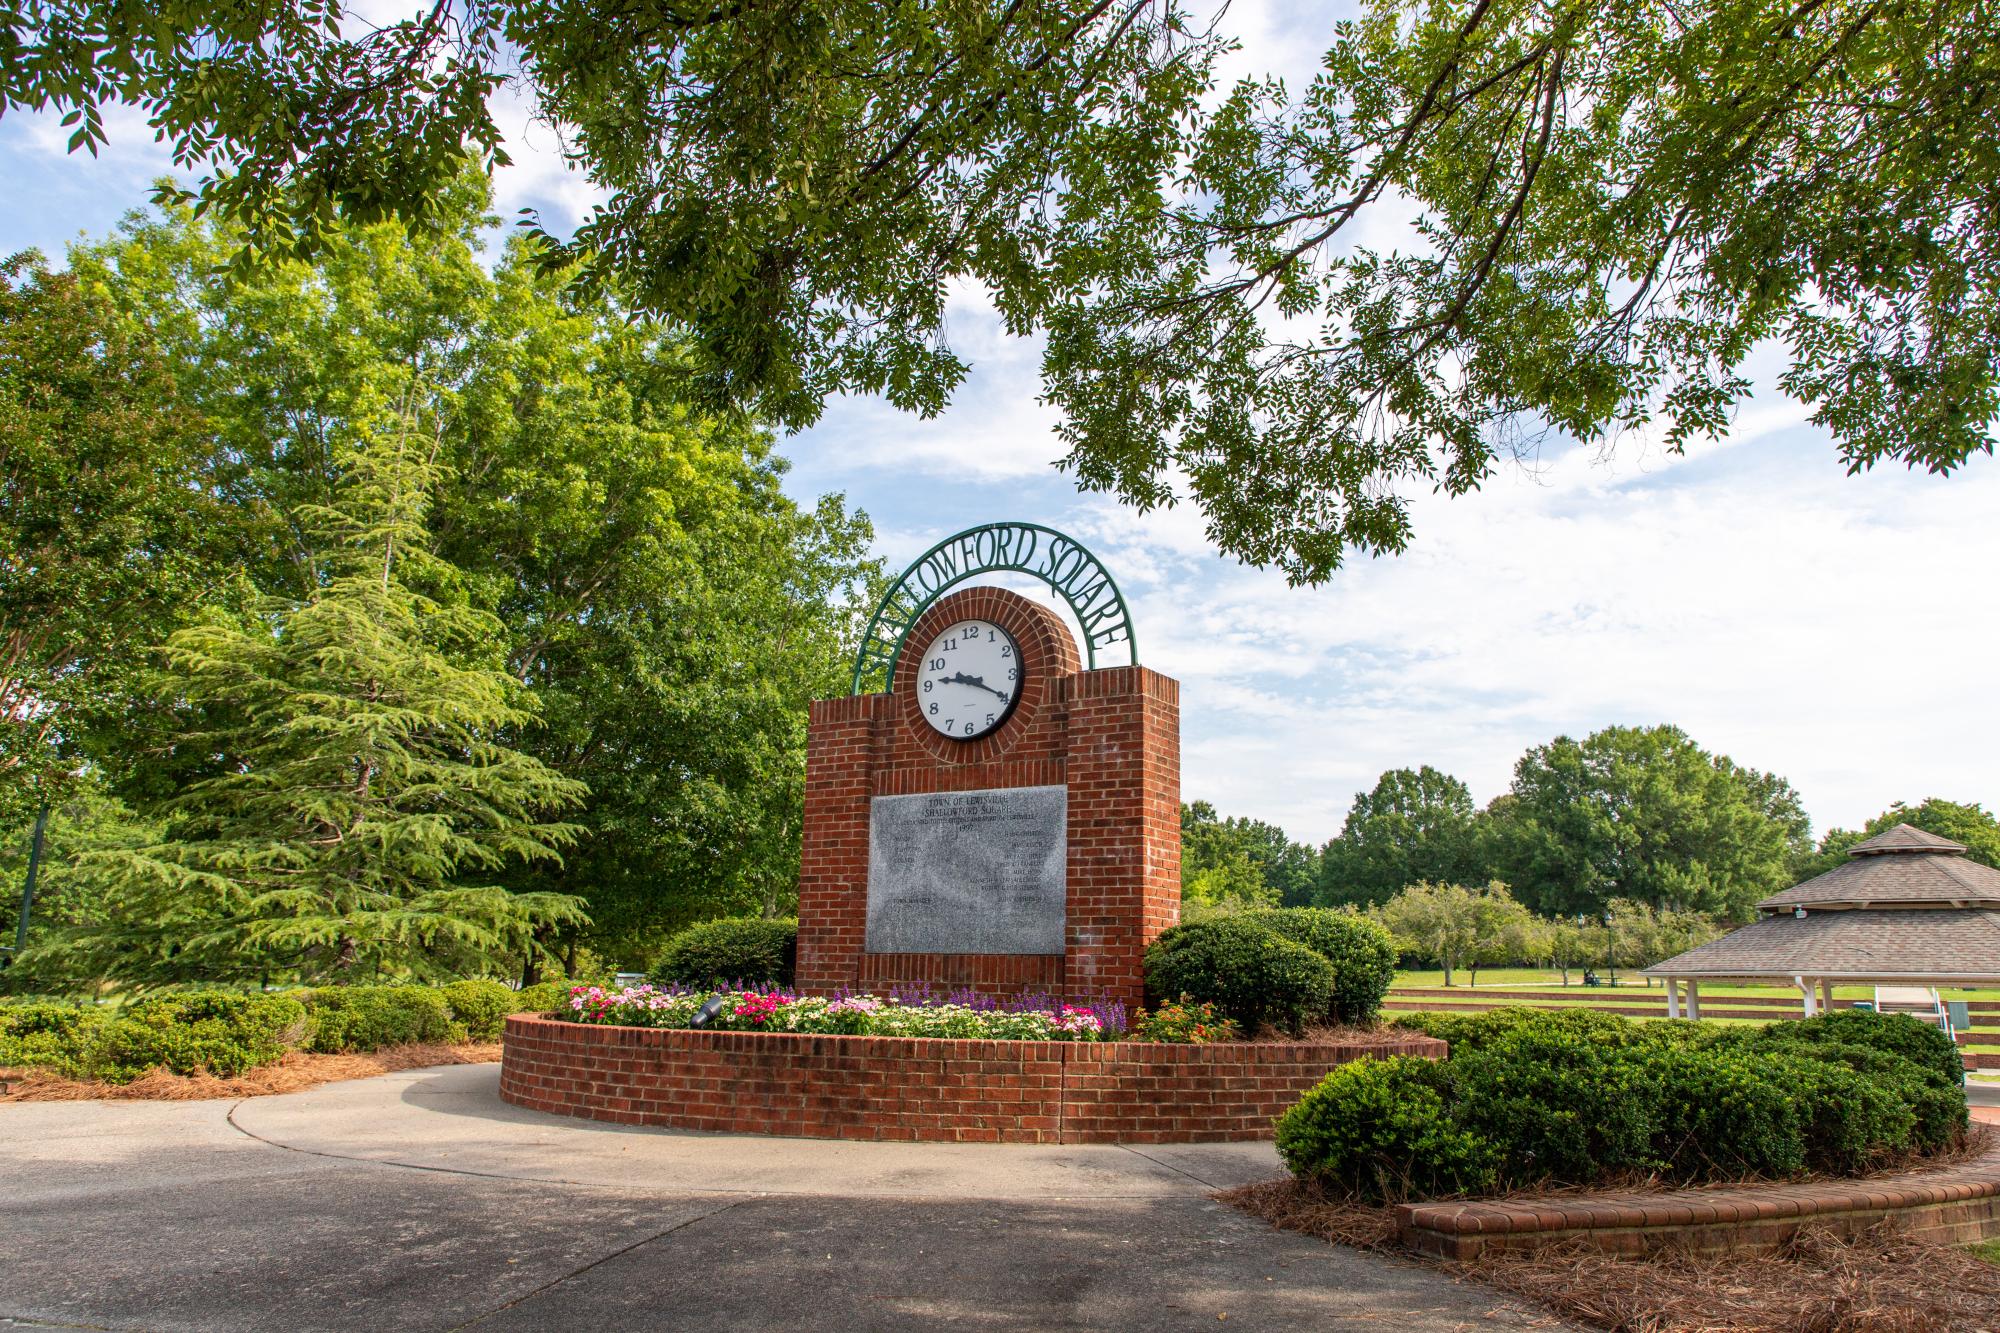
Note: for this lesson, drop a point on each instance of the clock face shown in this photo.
(969, 679)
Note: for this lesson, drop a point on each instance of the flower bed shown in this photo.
(915, 1011)
(1060, 1090)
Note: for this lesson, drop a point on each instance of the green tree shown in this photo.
(1456, 925)
(1241, 859)
(1970, 824)
(1415, 824)
(795, 184)
(358, 796)
(102, 533)
(1614, 205)
(670, 610)
(1644, 813)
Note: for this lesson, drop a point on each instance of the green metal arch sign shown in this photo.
(1058, 560)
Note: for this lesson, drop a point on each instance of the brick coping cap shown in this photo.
(994, 1048)
(1978, 1178)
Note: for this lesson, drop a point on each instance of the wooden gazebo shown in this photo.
(1906, 909)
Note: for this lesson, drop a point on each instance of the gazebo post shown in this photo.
(1805, 989)
(1673, 998)
(1825, 996)
(1694, 998)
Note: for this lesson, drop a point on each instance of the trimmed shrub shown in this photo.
(1847, 1121)
(1574, 1097)
(481, 1007)
(1243, 969)
(544, 997)
(46, 1035)
(1475, 1032)
(1363, 954)
(221, 1032)
(1557, 1105)
(1938, 1106)
(363, 1018)
(1898, 1034)
(751, 951)
(1382, 1130)
(224, 1033)
(1721, 1114)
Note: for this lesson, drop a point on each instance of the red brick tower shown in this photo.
(1106, 741)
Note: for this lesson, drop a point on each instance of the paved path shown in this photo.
(420, 1201)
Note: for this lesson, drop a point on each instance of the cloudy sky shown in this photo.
(1838, 630)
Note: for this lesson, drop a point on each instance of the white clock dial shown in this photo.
(969, 679)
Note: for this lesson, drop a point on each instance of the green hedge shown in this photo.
(1570, 1097)
(228, 1033)
(1382, 1129)
(747, 951)
(1361, 952)
(362, 1018)
(218, 1031)
(1249, 972)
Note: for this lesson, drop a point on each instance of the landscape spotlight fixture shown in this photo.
(709, 1012)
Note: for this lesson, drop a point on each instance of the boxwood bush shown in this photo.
(1570, 1097)
(1384, 1129)
(544, 997)
(1249, 972)
(228, 1033)
(1557, 1105)
(1362, 952)
(221, 1032)
(747, 950)
(362, 1018)
(481, 1007)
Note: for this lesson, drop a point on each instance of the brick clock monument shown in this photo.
(991, 807)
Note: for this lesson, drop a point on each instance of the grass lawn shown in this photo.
(1989, 1250)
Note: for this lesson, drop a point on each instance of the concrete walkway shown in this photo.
(421, 1201)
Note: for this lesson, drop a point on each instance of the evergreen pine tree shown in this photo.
(356, 789)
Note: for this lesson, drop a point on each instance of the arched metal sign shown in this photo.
(1060, 561)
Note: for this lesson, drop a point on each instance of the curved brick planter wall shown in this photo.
(912, 1088)
(1953, 1205)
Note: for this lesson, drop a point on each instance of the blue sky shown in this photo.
(1837, 630)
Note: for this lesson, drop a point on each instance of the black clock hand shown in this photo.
(977, 682)
(980, 681)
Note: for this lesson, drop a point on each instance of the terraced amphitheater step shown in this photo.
(1983, 1034)
(1630, 994)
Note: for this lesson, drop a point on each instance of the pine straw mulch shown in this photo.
(1880, 1282)
(295, 1072)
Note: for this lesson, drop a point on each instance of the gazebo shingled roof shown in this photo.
(1906, 906)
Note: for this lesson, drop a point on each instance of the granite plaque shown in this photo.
(968, 871)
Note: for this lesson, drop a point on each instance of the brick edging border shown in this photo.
(918, 1089)
(1956, 1204)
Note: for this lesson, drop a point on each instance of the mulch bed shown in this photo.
(296, 1072)
(1882, 1282)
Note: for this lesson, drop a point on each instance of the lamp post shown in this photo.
(34, 872)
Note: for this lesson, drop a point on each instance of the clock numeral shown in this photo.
(937, 664)
(1006, 650)
(1011, 674)
(968, 728)
(989, 719)
(927, 686)
(933, 708)
(949, 645)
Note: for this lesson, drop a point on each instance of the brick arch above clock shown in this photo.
(1049, 658)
